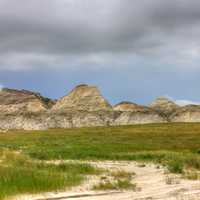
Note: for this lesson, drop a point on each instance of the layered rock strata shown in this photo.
(84, 106)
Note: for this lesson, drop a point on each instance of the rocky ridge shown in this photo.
(84, 106)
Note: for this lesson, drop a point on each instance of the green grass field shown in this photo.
(176, 146)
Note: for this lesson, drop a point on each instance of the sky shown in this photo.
(132, 50)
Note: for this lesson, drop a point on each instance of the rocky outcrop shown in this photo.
(83, 97)
(131, 113)
(46, 120)
(22, 109)
(189, 113)
(128, 118)
(22, 101)
(164, 106)
(84, 106)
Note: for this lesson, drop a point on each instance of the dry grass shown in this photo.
(172, 180)
(120, 174)
(115, 185)
(192, 175)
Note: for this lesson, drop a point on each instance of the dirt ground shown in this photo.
(152, 183)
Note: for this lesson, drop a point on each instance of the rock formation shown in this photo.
(128, 106)
(84, 106)
(18, 101)
(164, 106)
(189, 113)
(132, 113)
(83, 97)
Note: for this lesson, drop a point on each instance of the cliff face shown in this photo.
(84, 106)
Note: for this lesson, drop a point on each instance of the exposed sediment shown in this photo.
(84, 106)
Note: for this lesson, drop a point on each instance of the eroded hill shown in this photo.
(84, 106)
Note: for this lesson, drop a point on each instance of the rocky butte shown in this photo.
(84, 106)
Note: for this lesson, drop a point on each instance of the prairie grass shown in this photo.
(105, 143)
(19, 174)
(174, 145)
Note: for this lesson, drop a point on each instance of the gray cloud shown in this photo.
(68, 32)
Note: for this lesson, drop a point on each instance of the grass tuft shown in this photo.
(175, 166)
(122, 174)
(115, 185)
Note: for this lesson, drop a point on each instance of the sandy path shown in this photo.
(150, 180)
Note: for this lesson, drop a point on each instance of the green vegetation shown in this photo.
(175, 145)
(20, 174)
(116, 180)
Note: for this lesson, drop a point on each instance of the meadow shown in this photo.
(23, 154)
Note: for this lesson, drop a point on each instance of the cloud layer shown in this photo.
(98, 33)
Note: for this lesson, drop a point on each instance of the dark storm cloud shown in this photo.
(55, 32)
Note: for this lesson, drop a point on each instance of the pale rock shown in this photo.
(189, 113)
(164, 106)
(83, 97)
(84, 106)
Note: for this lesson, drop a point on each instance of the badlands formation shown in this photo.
(84, 106)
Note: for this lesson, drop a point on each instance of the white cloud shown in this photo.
(182, 102)
(186, 102)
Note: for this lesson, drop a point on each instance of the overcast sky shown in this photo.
(133, 50)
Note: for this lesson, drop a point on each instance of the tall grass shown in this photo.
(19, 174)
